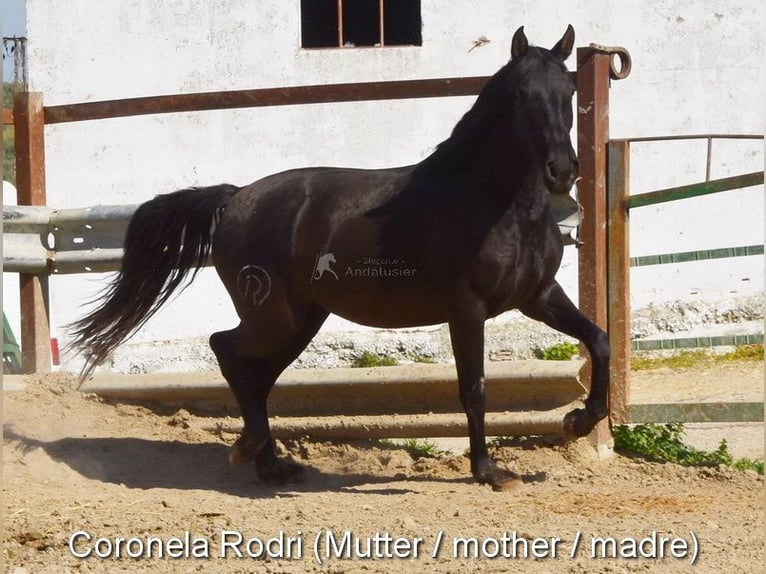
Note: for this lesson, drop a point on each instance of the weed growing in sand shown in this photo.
(417, 448)
(697, 357)
(368, 359)
(664, 442)
(559, 352)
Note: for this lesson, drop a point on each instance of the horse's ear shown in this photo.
(519, 44)
(563, 47)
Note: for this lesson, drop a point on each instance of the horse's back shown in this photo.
(329, 182)
(286, 220)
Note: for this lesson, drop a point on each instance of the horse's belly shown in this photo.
(378, 296)
(394, 320)
(513, 287)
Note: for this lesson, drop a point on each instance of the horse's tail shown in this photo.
(168, 238)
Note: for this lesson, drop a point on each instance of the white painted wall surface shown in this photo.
(697, 68)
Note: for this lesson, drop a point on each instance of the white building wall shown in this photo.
(697, 68)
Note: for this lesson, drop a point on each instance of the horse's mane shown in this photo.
(488, 106)
(493, 103)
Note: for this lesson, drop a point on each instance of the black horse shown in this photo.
(458, 238)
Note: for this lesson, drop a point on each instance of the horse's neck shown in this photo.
(488, 169)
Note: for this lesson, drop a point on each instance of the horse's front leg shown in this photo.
(467, 337)
(554, 308)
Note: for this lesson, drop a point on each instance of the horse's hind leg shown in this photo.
(251, 376)
(555, 309)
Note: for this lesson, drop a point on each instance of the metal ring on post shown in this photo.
(622, 54)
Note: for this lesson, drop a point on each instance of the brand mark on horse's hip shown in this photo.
(253, 284)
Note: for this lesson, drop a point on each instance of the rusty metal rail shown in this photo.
(289, 96)
(709, 138)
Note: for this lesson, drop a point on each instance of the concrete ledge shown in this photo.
(420, 426)
(13, 383)
(696, 412)
(411, 389)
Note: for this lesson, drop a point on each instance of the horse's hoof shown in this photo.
(279, 470)
(244, 450)
(511, 481)
(500, 479)
(578, 423)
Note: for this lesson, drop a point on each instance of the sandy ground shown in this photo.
(81, 474)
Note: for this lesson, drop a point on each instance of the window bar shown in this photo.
(382, 22)
(340, 23)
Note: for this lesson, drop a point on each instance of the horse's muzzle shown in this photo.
(561, 174)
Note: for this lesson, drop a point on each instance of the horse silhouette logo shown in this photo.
(322, 265)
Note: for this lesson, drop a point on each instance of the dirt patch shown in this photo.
(73, 463)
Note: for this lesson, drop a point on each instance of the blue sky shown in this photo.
(13, 17)
(14, 24)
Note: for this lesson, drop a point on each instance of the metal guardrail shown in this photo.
(43, 240)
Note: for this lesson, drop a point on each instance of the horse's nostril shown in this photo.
(561, 170)
(550, 172)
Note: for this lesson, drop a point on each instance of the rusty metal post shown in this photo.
(30, 178)
(618, 278)
(593, 69)
(592, 139)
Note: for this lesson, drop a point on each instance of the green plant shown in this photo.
(664, 442)
(368, 359)
(417, 448)
(689, 359)
(559, 352)
(682, 360)
(747, 464)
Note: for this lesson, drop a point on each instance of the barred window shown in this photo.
(353, 23)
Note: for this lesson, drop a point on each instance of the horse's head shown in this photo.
(541, 91)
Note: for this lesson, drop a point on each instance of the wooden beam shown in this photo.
(592, 139)
(593, 69)
(289, 96)
(30, 181)
(618, 277)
